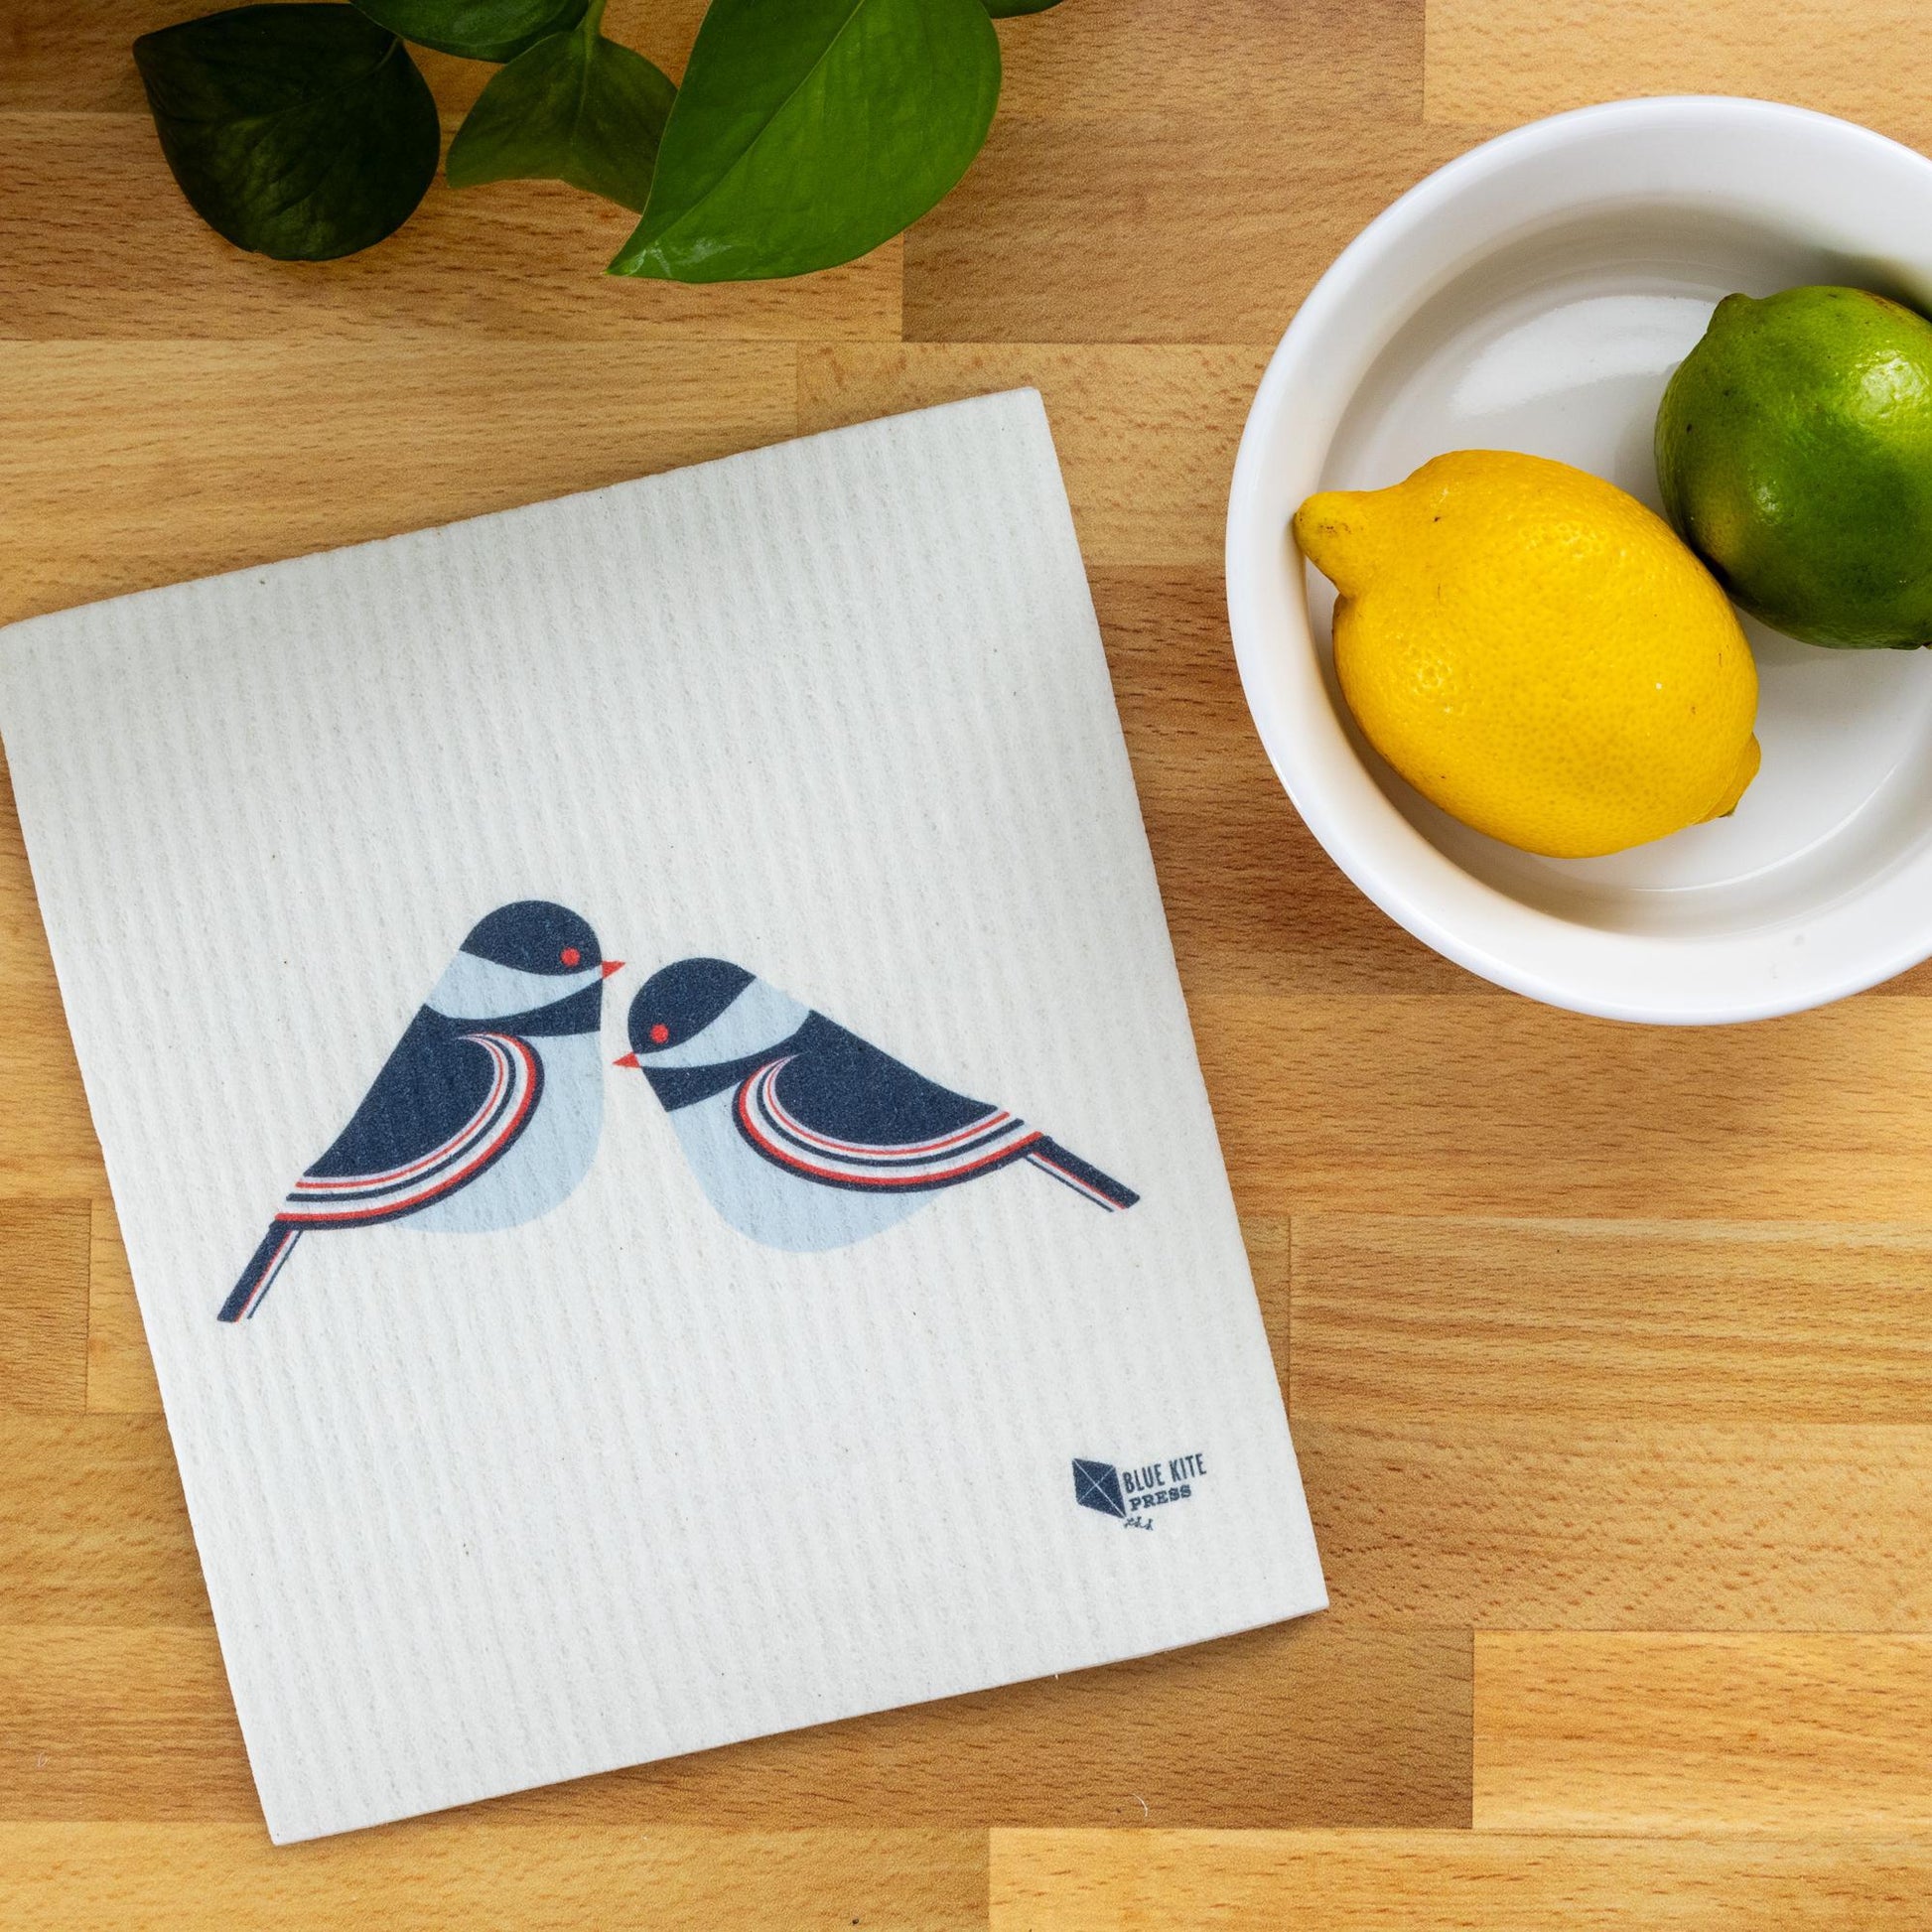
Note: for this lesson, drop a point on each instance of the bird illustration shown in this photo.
(804, 1136)
(487, 1114)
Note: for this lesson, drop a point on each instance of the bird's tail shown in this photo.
(1049, 1157)
(259, 1276)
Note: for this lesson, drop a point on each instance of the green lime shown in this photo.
(1794, 449)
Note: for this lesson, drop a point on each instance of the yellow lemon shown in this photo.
(1536, 652)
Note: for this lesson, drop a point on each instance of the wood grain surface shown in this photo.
(1608, 1351)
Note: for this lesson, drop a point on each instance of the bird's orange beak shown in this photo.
(629, 1059)
(612, 966)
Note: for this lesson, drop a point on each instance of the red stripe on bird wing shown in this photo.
(993, 1120)
(991, 1142)
(356, 1183)
(480, 1139)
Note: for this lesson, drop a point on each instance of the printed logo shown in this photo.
(1128, 1494)
(1096, 1485)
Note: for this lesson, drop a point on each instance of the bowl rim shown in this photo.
(1492, 933)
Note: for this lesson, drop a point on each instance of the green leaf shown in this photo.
(479, 29)
(806, 132)
(576, 107)
(302, 132)
(1006, 9)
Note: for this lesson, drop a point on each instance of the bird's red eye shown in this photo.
(660, 1034)
(570, 955)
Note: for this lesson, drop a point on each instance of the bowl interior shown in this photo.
(1560, 343)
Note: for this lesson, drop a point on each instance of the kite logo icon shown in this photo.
(1129, 1496)
(1096, 1485)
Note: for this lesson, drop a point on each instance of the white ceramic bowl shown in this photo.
(1536, 295)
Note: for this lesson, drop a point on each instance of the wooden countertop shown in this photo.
(1608, 1351)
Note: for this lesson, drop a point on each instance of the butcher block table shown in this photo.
(1608, 1351)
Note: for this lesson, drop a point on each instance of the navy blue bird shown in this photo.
(804, 1136)
(489, 1111)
